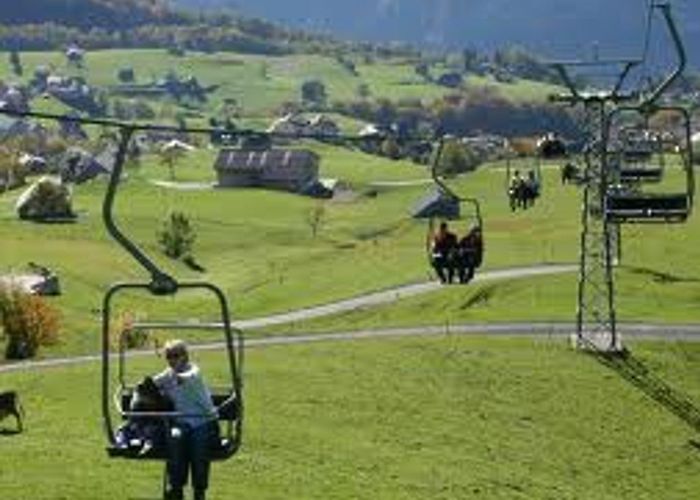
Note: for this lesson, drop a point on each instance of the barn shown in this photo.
(284, 169)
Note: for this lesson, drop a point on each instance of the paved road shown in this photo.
(628, 331)
(398, 293)
(548, 330)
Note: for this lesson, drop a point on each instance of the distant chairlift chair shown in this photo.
(640, 158)
(632, 204)
(471, 216)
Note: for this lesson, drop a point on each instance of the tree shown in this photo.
(363, 91)
(126, 75)
(177, 236)
(16, 62)
(314, 92)
(456, 159)
(391, 149)
(169, 156)
(316, 218)
(28, 322)
(423, 69)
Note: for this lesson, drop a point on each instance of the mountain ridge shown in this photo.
(551, 28)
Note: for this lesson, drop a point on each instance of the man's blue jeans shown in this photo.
(190, 451)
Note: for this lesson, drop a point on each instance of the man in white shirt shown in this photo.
(196, 430)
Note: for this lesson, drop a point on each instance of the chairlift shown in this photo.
(530, 187)
(640, 157)
(551, 147)
(228, 400)
(631, 203)
(469, 212)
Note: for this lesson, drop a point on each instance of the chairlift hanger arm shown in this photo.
(447, 190)
(665, 8)
(574, 96)
(161, 282)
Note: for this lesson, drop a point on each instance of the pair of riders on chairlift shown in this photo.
(522, 191)
(450, 255)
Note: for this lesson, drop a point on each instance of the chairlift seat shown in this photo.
(634, 207)
(224, 449)
(552, 149)
(637, 155)
(642, 173)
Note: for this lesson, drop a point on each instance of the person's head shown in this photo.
(443, 227)
(516, 173)
(176, 354)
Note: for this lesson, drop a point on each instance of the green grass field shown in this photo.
(258, 246)
(446, 417)
(261, 84)
(442, 417)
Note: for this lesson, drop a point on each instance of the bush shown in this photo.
(122, 331)
(46, 199)
(456, 159)
(126, 75)
(177, 236)
(28, 322)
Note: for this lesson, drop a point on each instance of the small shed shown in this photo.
(437, 204)
(285, 169)
(78, 166)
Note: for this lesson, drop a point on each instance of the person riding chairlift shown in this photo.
(443, 244)
(532, 188)
(515, 191)
(470, 251)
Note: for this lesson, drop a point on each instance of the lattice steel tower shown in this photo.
(600, 235)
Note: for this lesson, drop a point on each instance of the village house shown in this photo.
(298, 124)
(284, 169)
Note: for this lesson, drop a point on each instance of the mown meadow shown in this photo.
(445, 417)
(261, 84)
(259, 247)
(436, 417)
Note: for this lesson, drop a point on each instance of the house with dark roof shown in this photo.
(285, 169)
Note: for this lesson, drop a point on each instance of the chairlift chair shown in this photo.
(640, 156)
(469, 208)
(533, 165)
(551, 147)
(634, 204)
(228, 401)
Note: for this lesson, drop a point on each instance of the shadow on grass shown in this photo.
(635, 372)
(662, 277)
(481, 296)
(9, 432)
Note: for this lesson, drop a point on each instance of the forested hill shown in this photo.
(52, 24)
(86, 14)
(552, 28)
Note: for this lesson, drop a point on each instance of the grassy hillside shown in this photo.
(258, 245)
(262, 84)
(440, 418)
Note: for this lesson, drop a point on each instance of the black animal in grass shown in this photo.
(10, 406)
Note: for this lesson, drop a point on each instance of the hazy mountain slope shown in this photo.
(87, 13)
(555, 28)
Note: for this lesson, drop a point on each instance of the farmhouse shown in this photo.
(285, 169)
(298, 124)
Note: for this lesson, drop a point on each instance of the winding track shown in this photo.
(678, 333)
